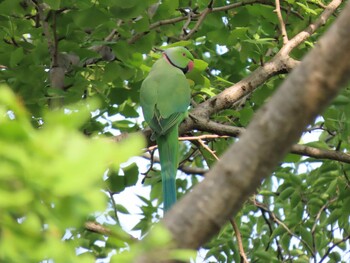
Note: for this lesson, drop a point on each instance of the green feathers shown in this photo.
(165, 96)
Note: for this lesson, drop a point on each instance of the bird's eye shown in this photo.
(184, 54)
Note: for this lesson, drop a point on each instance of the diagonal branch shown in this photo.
(275, 127)
(281, 62)
(335, 244)
(307, 32)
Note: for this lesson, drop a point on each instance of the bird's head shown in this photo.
(179, 57)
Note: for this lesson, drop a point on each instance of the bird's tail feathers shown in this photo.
(168, 152)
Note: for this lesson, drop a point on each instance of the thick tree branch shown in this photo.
(320, 153)
(271, 133)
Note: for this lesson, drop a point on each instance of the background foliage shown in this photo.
(57, 173)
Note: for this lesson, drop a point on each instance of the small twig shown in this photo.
(185, 26)
(281, 22)
(279, 222)
(182, 167)
(114, 206)
(151, 158)
(333, 246)
(100, 229)
(208, 149)
(267, 221)
(202, 16)
(315, 224)
(307, 32)
(175, 20)
(319, 214)
(202, 137)
(239, 241)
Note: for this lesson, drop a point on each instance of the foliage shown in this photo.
(50, 181)
(104, 50)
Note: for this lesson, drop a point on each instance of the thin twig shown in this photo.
(111, 196)
(175, 20)
(98, 228)
(307, 32)
(208, 149)
(151, 158)
(202, 16)
(184, 168)
(315, 224)
(239, 241)
(281, 22)
(202, 137)
(284, 226)
(333, 246)
(320, 212)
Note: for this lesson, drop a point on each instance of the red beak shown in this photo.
(190, 66)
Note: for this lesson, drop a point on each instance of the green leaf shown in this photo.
(116, 183)
(200, 65)
(54, 4)
(306, 236)
(121, 209)
(83, 17)
(131, 174)
(306, 8)
(286, 193)
(245, 115)
(16, 57)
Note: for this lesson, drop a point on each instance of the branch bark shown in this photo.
(270, 135)
(281, 62)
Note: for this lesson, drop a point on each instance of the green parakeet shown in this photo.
(165, 96)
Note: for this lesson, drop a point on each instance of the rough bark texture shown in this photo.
(272, 132)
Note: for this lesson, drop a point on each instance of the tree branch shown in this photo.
(333, 246)
(281, 22)
(226, 130)
(203, 14)
(100, 229)
(320, 153)
(239, 241)
(182, 167)
(307, 32)
(57, 73)
(281, 62)
(309, 88)
(283, 225)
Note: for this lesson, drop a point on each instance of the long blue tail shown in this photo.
(168, 147)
